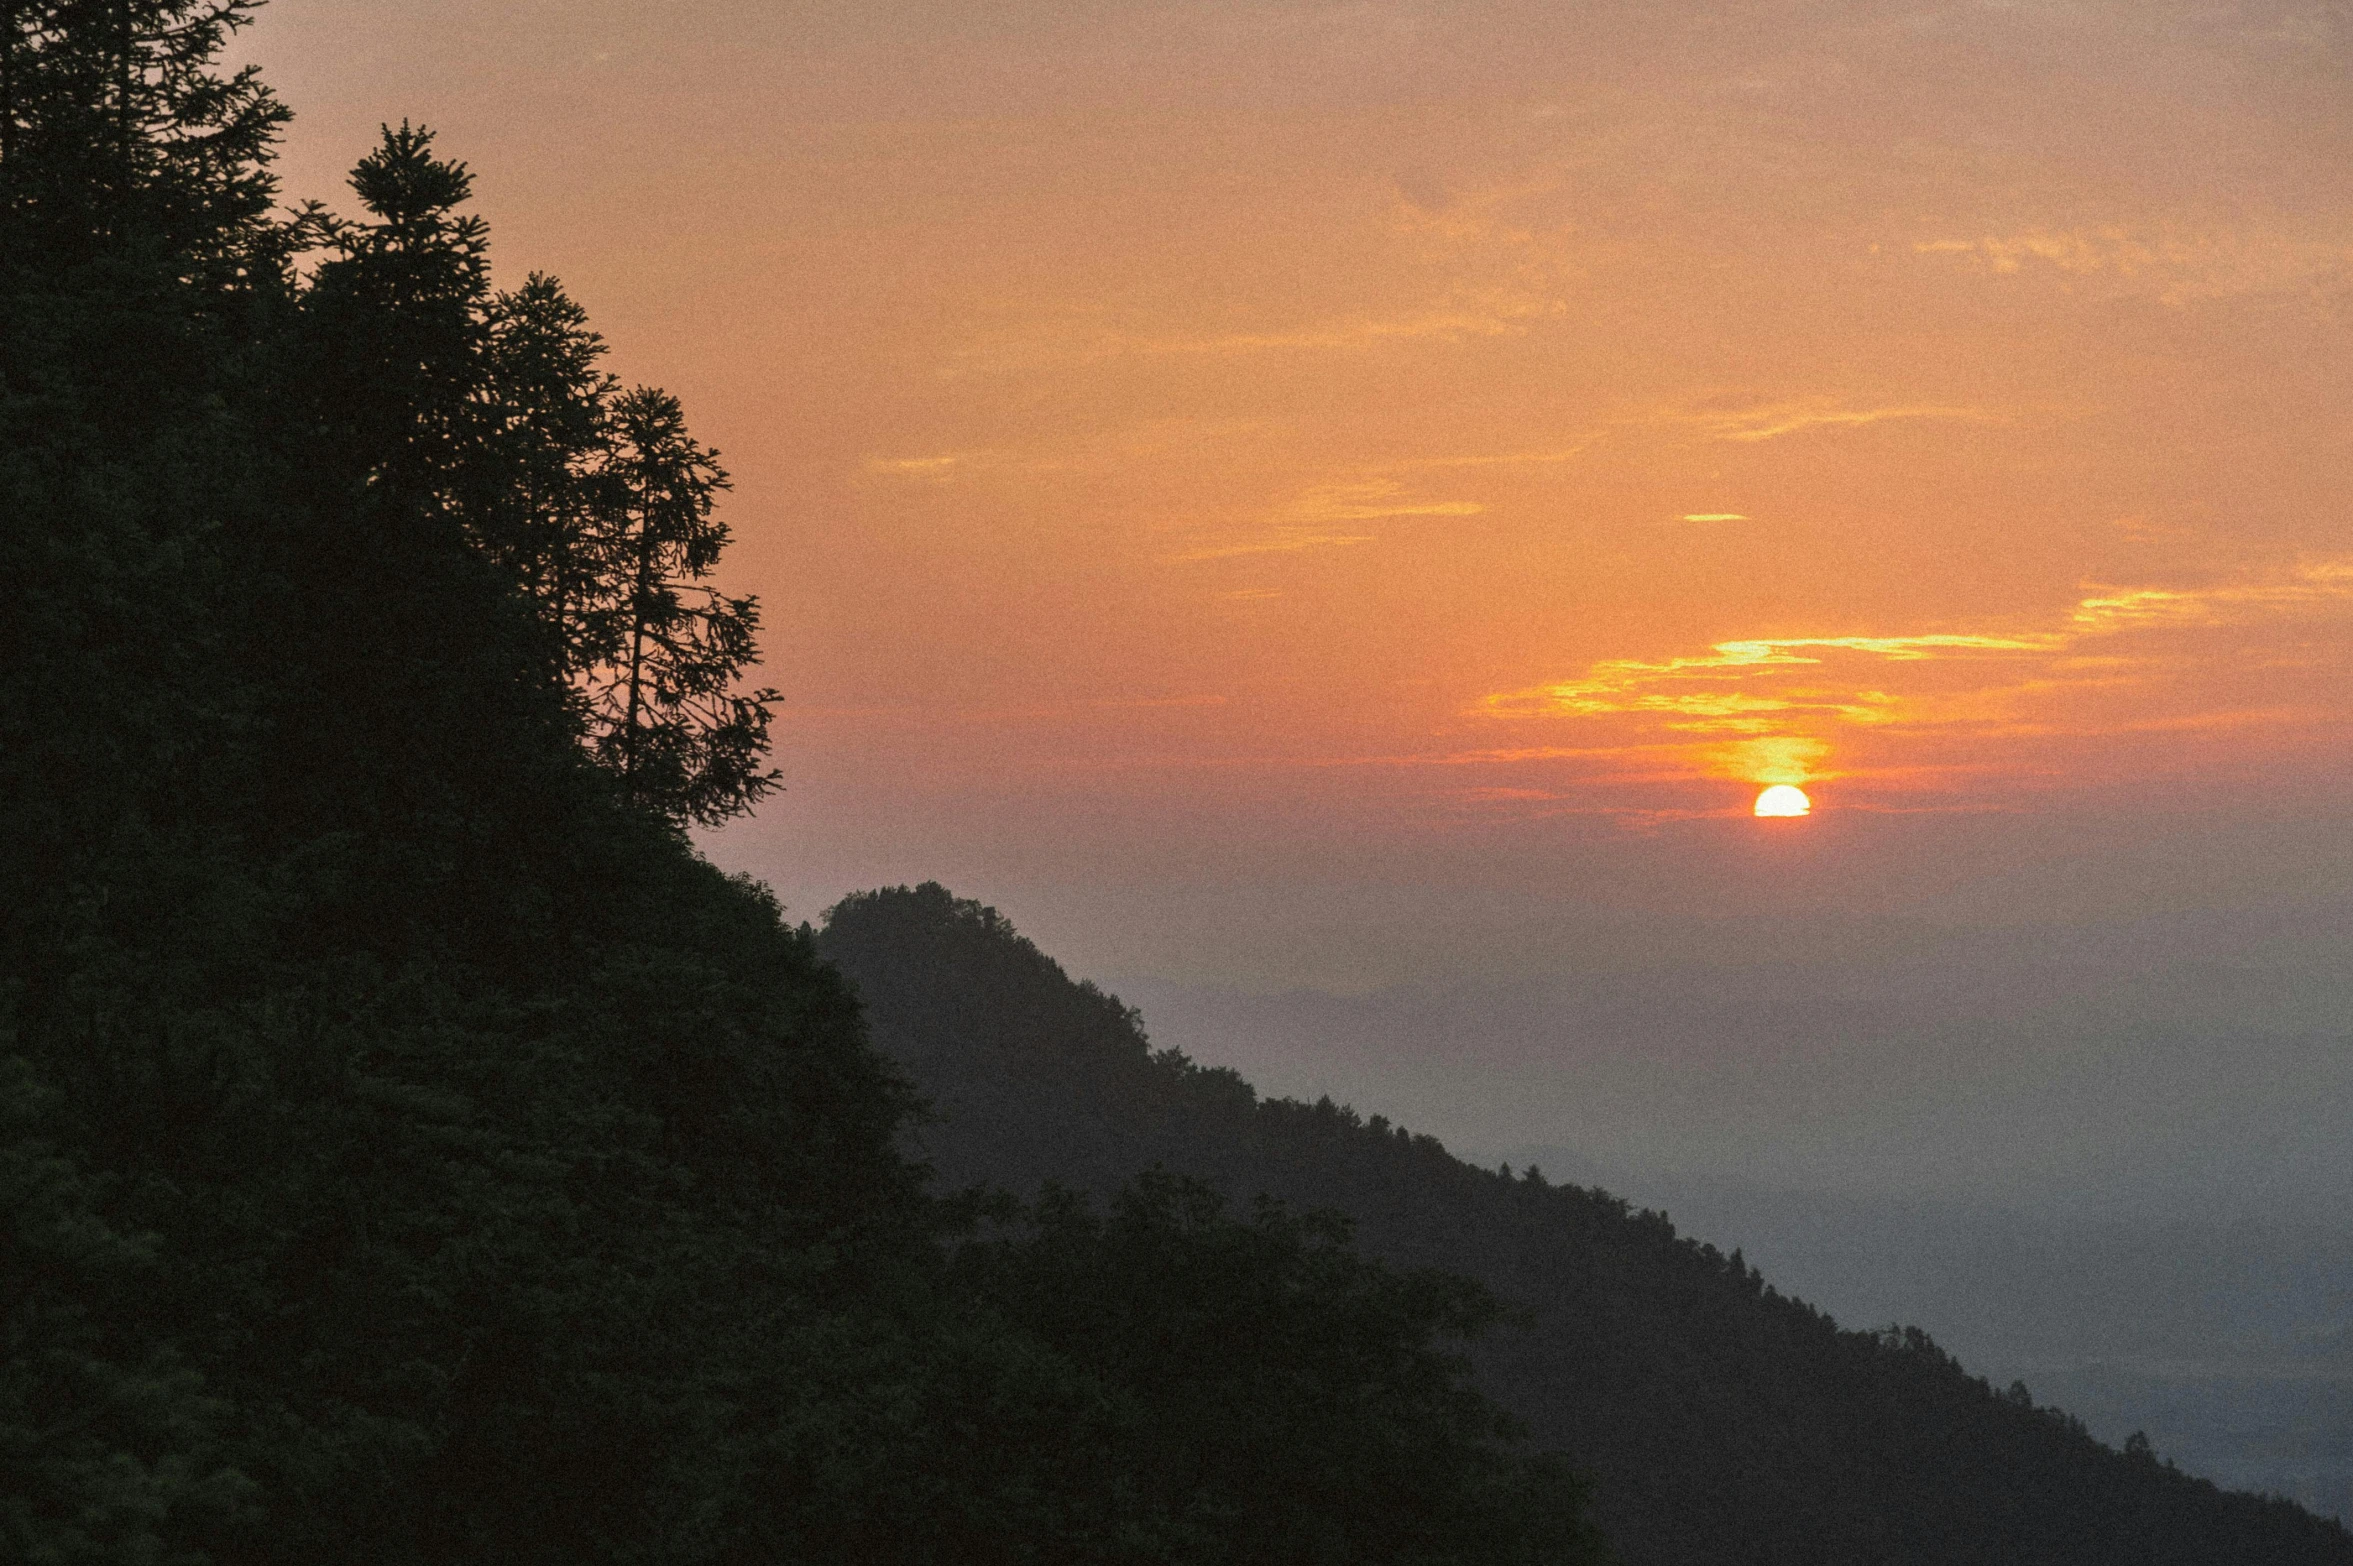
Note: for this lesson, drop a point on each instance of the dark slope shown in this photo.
(1722, 1422)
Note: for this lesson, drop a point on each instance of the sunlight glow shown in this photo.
(1784, 799)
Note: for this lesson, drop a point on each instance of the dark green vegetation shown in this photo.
(1721, 1421)
(410, 1151)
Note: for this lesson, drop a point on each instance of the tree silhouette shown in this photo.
(116, 129)
(491, 415)
(549, 402)
(663, 709)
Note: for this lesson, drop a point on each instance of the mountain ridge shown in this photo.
(1720, 1420)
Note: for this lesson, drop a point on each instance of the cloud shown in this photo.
(1778, 758)
(921, 470)
(1773, 709)
(1288, 541)
(1363, 502)
(1488, 756)
(1709, 691)
(1117, 449)
(926, 713)
(2176, 265)
(1506, 459)
(1714, 516)
(1460, 317)
(2117, 609)
(1791, 418)
(1310, 521)
(1494, 315)
(1490, 218)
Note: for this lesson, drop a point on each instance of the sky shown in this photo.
(1329, 514)
(1359, 498)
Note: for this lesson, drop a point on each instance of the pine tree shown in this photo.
(664, 711)
(138, 248)
(490, 416)
(545, 507)
(119, 138)
(400, 332)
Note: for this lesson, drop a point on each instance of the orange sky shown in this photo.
(1188, 450)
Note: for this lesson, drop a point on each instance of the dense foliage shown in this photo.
(1720, 1421)
(410, 1150)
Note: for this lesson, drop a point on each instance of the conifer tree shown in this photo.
(137, 247)
(664, 711)
(399, 316)
(129, 164)
(489, 416)
(544, 515)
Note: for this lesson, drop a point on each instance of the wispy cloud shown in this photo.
(1501, 459)
(1716, 690)
(1458, 317)
(2117, 609)
(1315, 518)
(1494, 314)
(1774, 709)
(922, 470)
(1122, 447)
(1494, 217)
(1774, 420)
(927, 713)
(2176, 265)
(1287, 541)
(1373, 499)
(1778, 758)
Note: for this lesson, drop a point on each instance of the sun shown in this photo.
(1784, 799)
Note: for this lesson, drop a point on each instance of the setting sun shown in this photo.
(1784, 799)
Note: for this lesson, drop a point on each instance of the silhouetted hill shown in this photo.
(1722, 1421)
(411, 1151)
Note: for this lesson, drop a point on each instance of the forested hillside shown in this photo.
(411, 1151)
(1722, 1422)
